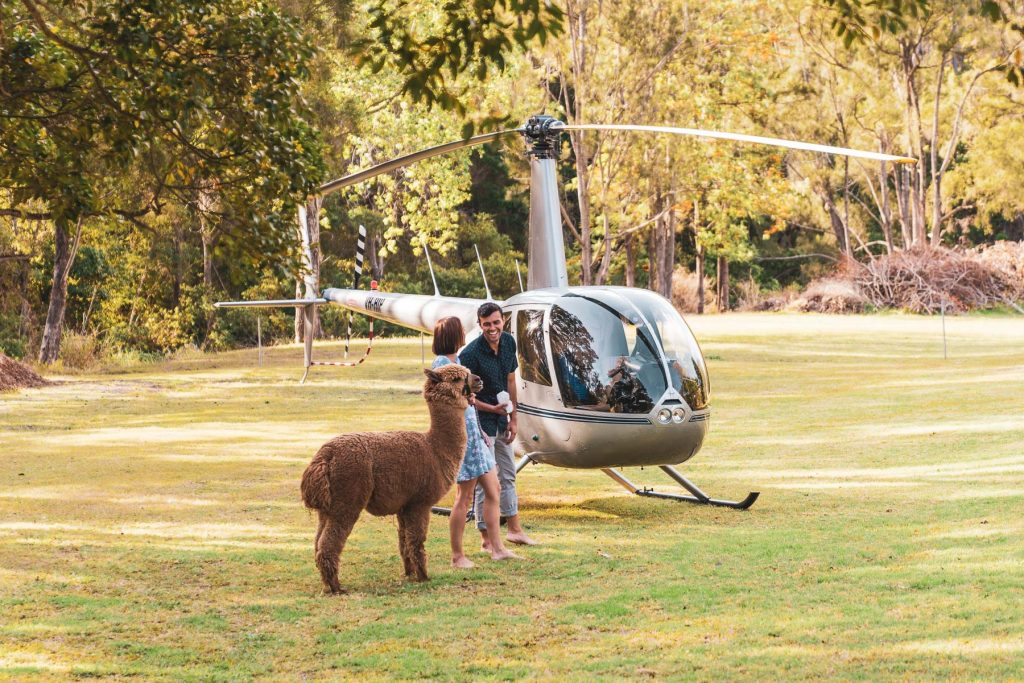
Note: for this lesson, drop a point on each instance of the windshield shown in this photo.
(685, 362)
(603, 360)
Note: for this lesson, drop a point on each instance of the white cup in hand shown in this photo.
(504, 398)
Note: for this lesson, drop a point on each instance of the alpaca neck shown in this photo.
(447, 434)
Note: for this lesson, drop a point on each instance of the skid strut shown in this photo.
(446, 512)
(698, 496)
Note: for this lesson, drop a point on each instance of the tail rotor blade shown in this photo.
(739, 137)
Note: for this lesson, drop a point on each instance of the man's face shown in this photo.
(491, 325)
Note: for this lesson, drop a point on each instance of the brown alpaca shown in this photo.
(390, 473)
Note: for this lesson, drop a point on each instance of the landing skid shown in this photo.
(698, 496)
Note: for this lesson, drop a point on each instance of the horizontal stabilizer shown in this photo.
(274, 303)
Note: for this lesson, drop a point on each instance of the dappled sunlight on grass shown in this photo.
(965, 646)
(980, 424)
(161, 529)
(151, 525)
(27, 661)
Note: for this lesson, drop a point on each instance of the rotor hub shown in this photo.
(542, 136)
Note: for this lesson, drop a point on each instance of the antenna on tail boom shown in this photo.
(423, 240)
(482, 273)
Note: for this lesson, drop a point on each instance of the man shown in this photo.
(492, 357)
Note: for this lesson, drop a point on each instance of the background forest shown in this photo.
(155, 154)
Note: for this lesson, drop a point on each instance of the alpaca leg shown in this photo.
(331, 542)
(321, 521)
(403, 545)
(417, 520)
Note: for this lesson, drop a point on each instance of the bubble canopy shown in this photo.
(619, 350)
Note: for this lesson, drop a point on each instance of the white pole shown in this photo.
(943, 309)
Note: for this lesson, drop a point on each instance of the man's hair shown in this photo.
(487, 310)
(448, 336)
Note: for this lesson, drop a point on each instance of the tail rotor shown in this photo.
(360, 252)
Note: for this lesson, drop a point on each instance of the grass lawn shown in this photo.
(151, 528)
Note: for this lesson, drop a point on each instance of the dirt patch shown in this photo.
(15, 375)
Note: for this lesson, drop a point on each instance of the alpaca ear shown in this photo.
(433, 376)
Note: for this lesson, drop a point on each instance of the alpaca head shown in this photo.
(451, 384)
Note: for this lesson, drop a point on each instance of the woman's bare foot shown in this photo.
(462, 562)
(520, 538)
(505, 554)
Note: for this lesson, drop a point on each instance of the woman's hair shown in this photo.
(448, 336)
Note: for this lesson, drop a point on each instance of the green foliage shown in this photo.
(855, 18)
(11, 342)
(465, 37)
(114, 105)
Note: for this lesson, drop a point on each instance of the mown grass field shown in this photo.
(150, 525)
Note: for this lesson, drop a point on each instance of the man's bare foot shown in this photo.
(505, 554)
(485, 545)
(520, 538)
(462, 562)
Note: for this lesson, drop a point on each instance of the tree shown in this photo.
(175, 97)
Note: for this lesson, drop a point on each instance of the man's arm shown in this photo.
(513, 419)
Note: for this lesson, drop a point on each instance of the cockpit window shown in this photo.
(533, 359)
(603, 360)
(682, 355)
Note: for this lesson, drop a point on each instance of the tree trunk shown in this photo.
(573, 104)
(836, 220)
(902, 177)
(885, 210)
(936, 169)
(667, 257)
(205, 203)
(583, 197)
(723, 284)
(207, 240)
(700, 257)
(64, 252)
(299, 337)
(662, 252)
(308, 287)
(606, 255)
(630, 262)
(910, 62)
(700, 278)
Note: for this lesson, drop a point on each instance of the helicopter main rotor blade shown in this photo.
(718, 135)
(400, 162)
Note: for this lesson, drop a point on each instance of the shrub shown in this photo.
(79, 351)
(684, 291)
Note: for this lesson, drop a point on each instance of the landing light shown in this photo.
(664, 416)
(678, 415)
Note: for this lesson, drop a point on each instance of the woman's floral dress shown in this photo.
(479, 459)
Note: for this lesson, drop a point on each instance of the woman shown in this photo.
(477, 465)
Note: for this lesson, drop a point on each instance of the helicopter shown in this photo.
(609, 377)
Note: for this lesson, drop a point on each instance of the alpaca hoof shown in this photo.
(331, 592)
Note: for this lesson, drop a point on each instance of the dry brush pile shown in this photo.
(930, 280)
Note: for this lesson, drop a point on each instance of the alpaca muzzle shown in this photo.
(474, 385)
